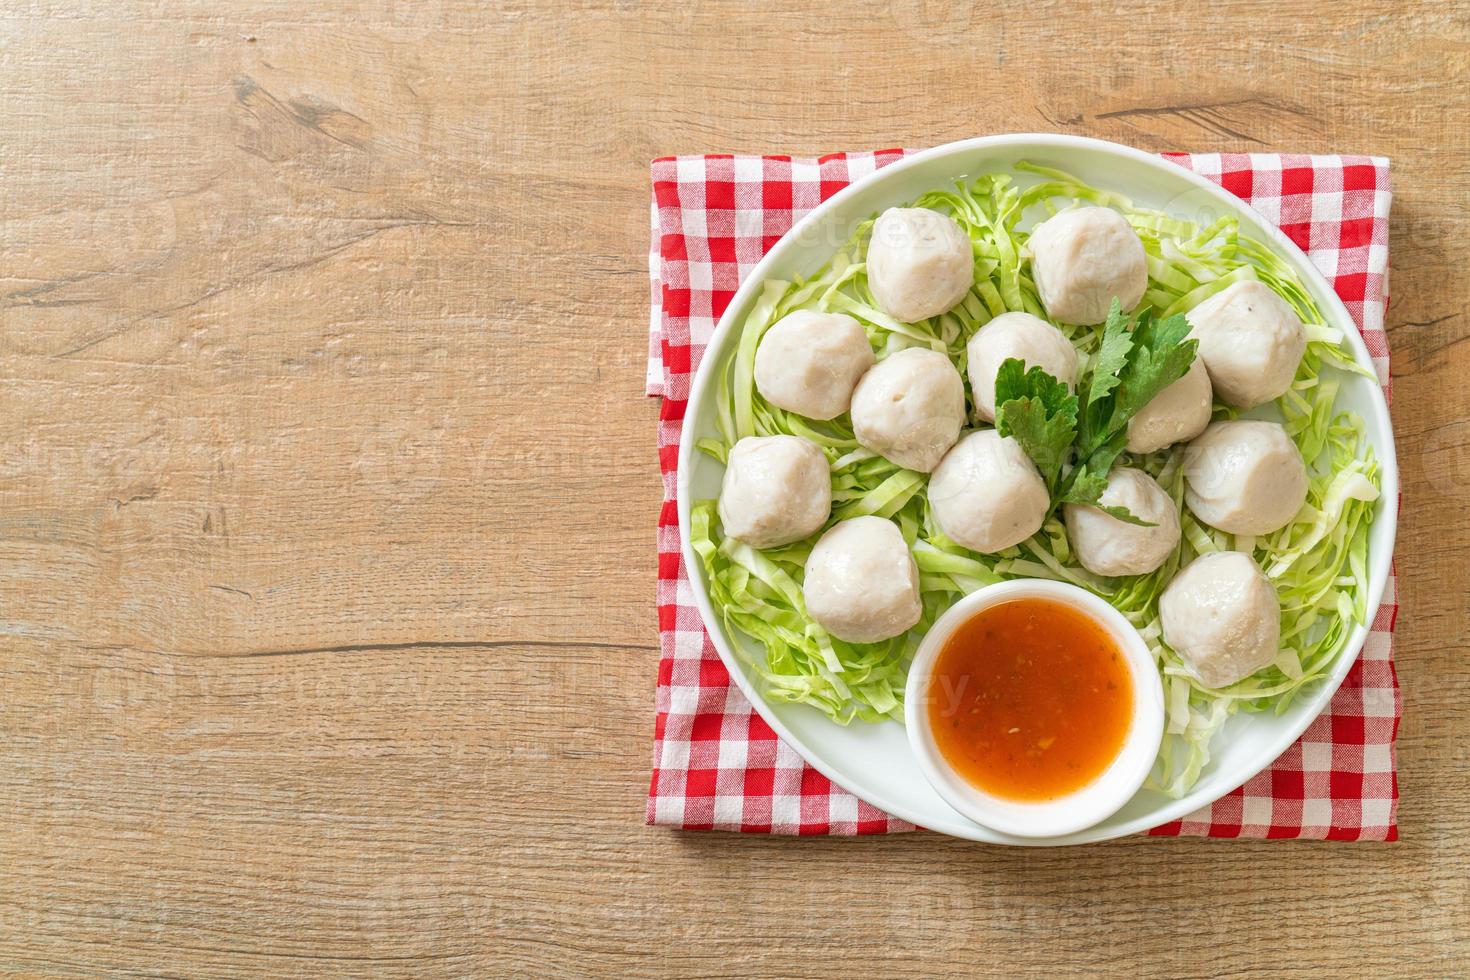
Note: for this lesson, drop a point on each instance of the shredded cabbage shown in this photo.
(1318, 562)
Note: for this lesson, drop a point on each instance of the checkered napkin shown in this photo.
(717, 765)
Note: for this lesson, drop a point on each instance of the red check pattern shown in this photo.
(718, 765)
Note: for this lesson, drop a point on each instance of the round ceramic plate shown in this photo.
(873, 761)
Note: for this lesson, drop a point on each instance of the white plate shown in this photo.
(873, 761)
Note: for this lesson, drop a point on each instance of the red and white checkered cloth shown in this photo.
(717, 764)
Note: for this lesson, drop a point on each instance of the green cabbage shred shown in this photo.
(1318, 562)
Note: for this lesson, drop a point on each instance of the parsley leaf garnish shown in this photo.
(1038, 412)
(1112, 358)
(1134, 362)
(1161, 357)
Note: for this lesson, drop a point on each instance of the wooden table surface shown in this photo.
(327, 492)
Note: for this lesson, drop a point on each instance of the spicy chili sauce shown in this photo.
(1030, 700)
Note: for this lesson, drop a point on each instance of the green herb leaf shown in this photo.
(1087, 482)
(1125, 515)
(1085, 485)
(1112, 354)
(1088, 490)
(1161, 355)
(1134, 363)
(1039, 412)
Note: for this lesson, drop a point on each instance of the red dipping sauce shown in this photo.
(1030, 700)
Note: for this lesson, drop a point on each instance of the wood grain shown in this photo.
(327, 486)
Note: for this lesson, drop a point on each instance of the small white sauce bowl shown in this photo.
(1092, 803)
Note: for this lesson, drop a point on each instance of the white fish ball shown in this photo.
(910, 408)
(861, 583)
(1244, 477)
(1083, 259)
(1022, 336)
(1222, 616)
(809, 362)
(987, 493)
(1251, 341)
(777, 489)
(1108, 546)
(920, 263)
